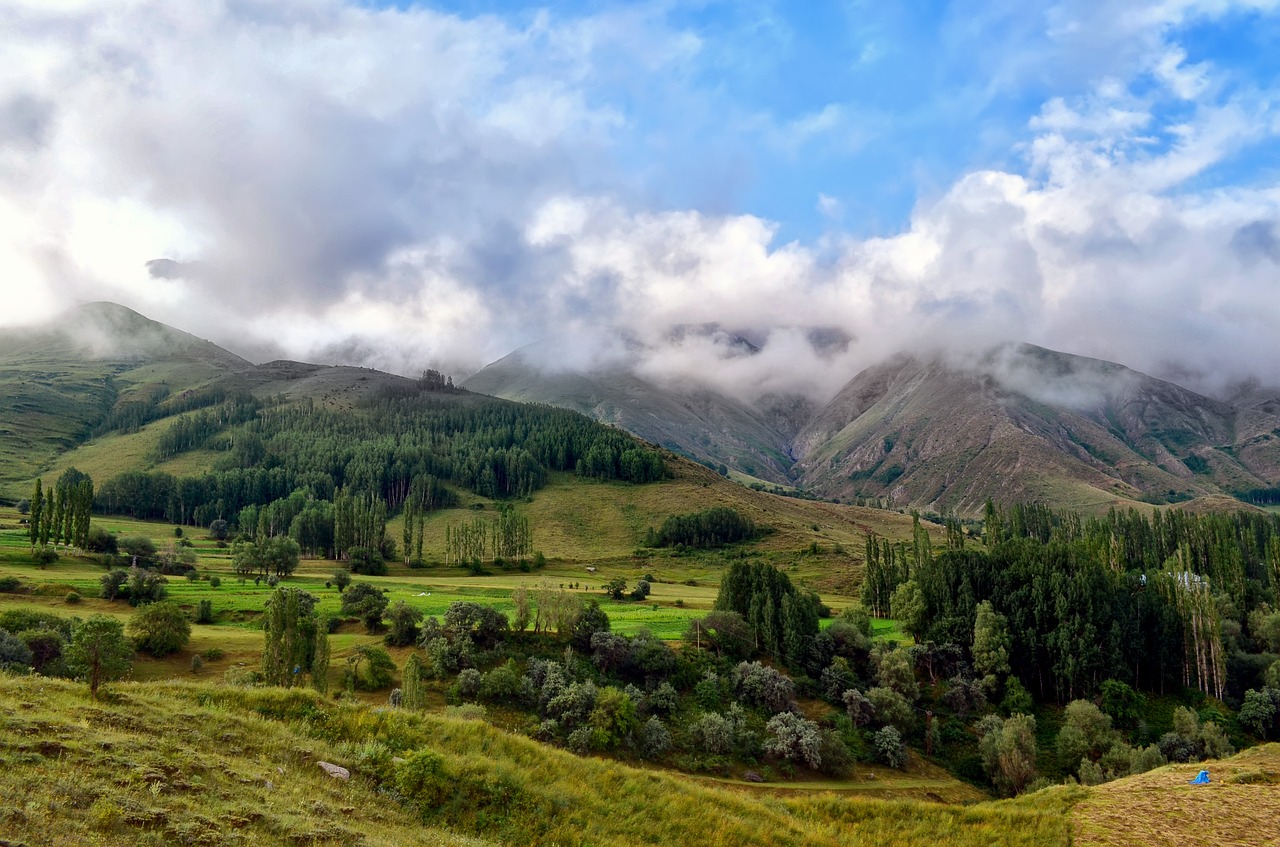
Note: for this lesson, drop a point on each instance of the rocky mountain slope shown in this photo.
(1017, 423)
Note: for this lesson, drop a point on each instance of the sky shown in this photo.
(417, 185)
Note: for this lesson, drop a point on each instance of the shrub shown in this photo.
(653, 739)
(890, 708)
(379, 669)
(160, 629)
(837, 758)
(760, 685)
(341, 579)
(713, 734)
(9, 584)
(215, 581)
(72, 597)
(367, 562)
(890, 748)
(468, 684)
(46, 646)
(44, 555)
(101, 541)
(725, 633)
(197, 663)
(481, 624)
(1144, 759)
(421, 779)
(403, 620)
(502, 684)
(14, 654)
(204, 611)
(858, 707)
(213, 654)
(794, 739)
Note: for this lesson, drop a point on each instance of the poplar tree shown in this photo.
(37, 511)
(413, 694)
(291, 630)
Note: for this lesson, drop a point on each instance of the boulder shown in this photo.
(335, 771)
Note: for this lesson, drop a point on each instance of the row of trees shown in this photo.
(60, 515)
(507, 536)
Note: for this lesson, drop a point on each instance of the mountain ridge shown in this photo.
(1015, 422)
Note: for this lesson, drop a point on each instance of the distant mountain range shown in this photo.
(1016, 423)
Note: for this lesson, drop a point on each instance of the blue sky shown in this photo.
(875, 105)
(436, 184)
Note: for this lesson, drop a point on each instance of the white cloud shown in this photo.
(407, 188)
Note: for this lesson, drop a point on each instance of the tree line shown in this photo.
(60, 515)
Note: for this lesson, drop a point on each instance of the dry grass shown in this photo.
(1241, 806)
(174, 763)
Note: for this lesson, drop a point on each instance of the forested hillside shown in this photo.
(492, 448)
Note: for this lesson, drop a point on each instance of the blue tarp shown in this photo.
(1202, 778)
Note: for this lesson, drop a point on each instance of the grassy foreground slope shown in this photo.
(1241, 806)
(156, 763)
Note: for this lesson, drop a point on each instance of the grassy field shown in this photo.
(684, 588)
(172, 763)
(1241, 806)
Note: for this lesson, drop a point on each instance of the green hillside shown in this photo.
(187, 763)
(165, 763)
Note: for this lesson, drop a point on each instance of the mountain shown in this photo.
(687, 418)
(1017, 423)
(61, 379)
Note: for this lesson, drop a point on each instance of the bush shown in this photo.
(341, 579)
(794, 739)
(367, 562)
(197, 663)
(215, 581)
(421, 779)
(101, 541)
(502, 684)
(213, 654)
(726, 634)
(160, 629)
(468, 684)
(713, 734)
(653, 739)
(72, 597)
(403, 620)
(9, 584)
(890, 748)
(761, 685)
(204, 611)
(379, 669)
(44, 555)
(14, 654)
